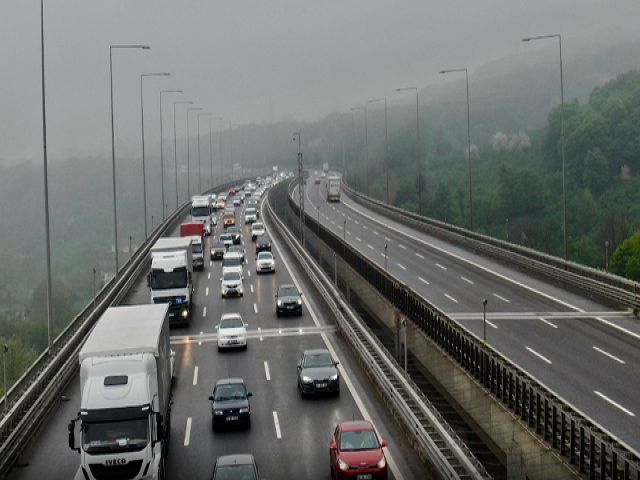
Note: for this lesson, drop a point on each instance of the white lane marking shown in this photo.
(358, 239)
(541, 357)
(493, 272)
(357, 222)
(450, 298)
(615, 404)
(206, 292)
(339, 227)
(402, 266)
(470, 282)
(348, 217)
(441, 266)
(333, 222)
(345, 376)
(365, 227)
(419, 255)
(266, 371)
(423, 280)
(375, 232)
(260, 333)
(348, 232)
(187, 433)
(251, 286)
(209, 276)
(255, 307)
(383, 255)
(402, 246)
(204, 312)
(195, 376)
(210, 263)
(277, 424)
(552, 325)
(248, 273)
(491, 324)
(369, 245)
(506, 300)
(387, 239)
(611, 356)
(200, 341)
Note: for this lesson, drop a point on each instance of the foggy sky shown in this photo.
(253, 60)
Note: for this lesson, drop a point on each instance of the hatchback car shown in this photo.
(288, 300)
(230, 403)
(232, 332)
(263, 244)
(356, 452)
(265, 262)
(231, 284)
(217, 250)
(257, 229)
(236, 467)
(318, 372)
(232, 262)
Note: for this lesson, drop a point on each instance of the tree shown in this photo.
(625, 260)
(596, 175)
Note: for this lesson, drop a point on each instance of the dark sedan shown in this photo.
(318, 372)
(288, 300)
(217, 250)
(236, 467)
(263, 244)
(230, 403)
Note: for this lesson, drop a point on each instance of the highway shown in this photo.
(585, 351)
(289, 436)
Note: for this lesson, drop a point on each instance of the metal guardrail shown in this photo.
(435, 439)
(596, 283)
(580, 441)
(35, 393)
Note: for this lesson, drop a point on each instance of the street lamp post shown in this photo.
(466, 74)
(564, 172)
(199, 172)
(220, 119)
(300, 186)
(113, 147)
(162, 92)
(418, 147)
(484, 320)
(386, 139)
(194, 109)
(211, 151)
(175, 142)
(366, 142)
(144, 167)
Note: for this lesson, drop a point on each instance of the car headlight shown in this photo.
(299, 301)
(279, 303)
(246, 410)
(382, 463)
(217, 412)
(185, 313)
(333, 378)
(342, 464)
(306, 379)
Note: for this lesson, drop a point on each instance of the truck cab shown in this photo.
(201, 209)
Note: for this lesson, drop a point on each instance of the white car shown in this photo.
(257, 230)
(250, 215)
(265, 262)
(214, 220)
(232, 284)
(232, 262)
(232, 331)
(237, 202)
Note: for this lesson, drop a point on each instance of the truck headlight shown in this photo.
(185, 313)
(306, 379)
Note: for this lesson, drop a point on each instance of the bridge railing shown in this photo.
(605, 286)
(584, 444)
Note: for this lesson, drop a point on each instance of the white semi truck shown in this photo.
(333, 189)
(201, 209)
(126, 371)
(171, 277)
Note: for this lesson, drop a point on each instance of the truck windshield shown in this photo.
(112, 437)
(200, 211)
(165, 280)
(196, 248)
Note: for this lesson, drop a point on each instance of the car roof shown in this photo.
(229, 381)
(316, 351)
(263, 238)
(356, 425)
(230, 315)
(218, 244)
(236, 459)
(230, 254)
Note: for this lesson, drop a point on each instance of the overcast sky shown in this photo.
(253, 60)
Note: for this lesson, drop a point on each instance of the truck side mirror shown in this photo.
(72, 436)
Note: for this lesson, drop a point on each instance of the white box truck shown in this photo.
(126, 371)
(201, 209)
(170, 279)
(333, 189)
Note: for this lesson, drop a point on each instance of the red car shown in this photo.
(356, 452)
(317, 181)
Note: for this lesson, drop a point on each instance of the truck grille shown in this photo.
(116, 472)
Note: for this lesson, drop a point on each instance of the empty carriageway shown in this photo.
(583, 350)
(289, 436)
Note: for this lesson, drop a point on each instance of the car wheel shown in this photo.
(219, 349)
(277, 313)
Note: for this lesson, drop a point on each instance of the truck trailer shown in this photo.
(126, 370)
(333, 189)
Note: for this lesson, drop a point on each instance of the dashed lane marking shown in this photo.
(506, 300)
(266, 371)
(195, 376)
(423, 280)
(615, 404)
(187, 433)
(610, 355)
(450, 298)
(544, 320)
(540, 356)
(402, 266)
(204, 312)
(465, 279)
(277, 425)
(206, 292)
(442, 267)
(255, 307)
(419, 255)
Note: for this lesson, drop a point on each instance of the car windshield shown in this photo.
(165, 280)
(264, 240)
(265, 256)
(225, 238)
(250, 211)
(231, 276)
(235, 472)
(218, 245)
(256, 227)
(315, 360)
(231, 261)
(232, 391)
(359, 440)
(199, 211)
(196, 248)
(231, 323)
(287, 292)
(113, 437)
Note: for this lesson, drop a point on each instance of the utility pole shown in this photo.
(300, 186)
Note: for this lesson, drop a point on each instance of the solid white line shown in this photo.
(470, 282)
(204, 312)
(419, 255)
(187, 433)
(368, 245)
(615, 404)
(541, 357)
(402, 246)
(339, 227)
(450, 297)
(375, 232)
(255, 307)
(206, 292)
(607, 354)
(348, 217)
(251, 286)
(195, 376)
(382, 254)
(358, 239)
(441, 266)
(423, 280)
(266, 370)
(402, 266)
(502, 298)
(553, 325)
(260, 333)
(277, 424)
